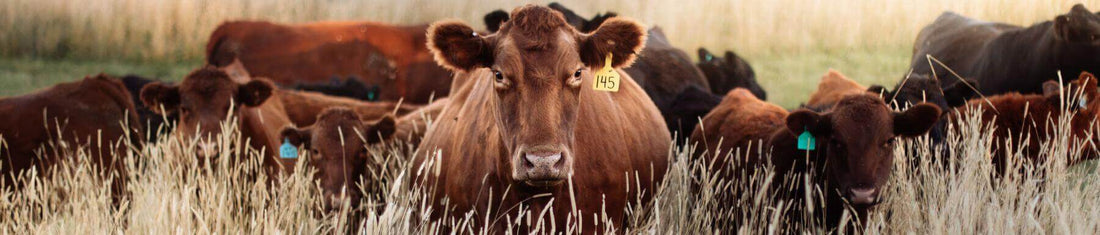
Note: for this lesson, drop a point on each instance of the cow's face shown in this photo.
(203, 101)
(1079, 26)
(536, 64)
(338, 144)
(857, 139)
(729, 72)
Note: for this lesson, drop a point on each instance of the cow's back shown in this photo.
(616, 133)
(95, 112)
(955, 40)
(739, 125)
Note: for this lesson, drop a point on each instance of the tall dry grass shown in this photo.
(177, 30)
(169, 190)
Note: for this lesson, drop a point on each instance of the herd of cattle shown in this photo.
(514, 110)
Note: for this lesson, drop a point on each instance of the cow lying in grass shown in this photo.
(1035, 118)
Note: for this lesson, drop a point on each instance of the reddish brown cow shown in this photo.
(204, 99)
(394, 58)
(853, 152)
(94, 112)
(1018, 116)
(524, 119)
(832, 87)
(741, 122)
(338, 147)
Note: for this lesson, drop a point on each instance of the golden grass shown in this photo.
(174, 30)
(171, 191)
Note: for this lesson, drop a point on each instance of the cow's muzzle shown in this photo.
(542, 166)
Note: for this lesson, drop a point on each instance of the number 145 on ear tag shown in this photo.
(607, 79)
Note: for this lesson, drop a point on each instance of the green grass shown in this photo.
(788, 78)
(20, 76)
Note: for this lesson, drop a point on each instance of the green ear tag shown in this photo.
(370, 95)
(806, 141)
(287, 150)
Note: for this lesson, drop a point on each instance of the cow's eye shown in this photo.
(890, 142)
(577, 74)
(1094, 37)
(185, 110)
(499, 76)
(313, 153)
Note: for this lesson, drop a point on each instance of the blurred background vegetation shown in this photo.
(790, 43)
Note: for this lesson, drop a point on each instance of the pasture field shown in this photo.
(790, 44)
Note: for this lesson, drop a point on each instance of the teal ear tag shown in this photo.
(806, 141)
(370, 95)
(287, 150)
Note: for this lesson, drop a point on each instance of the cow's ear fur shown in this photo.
(622, 38)
(382, 130)
(958, 93)
(1061, 27)
(494, 19)
(158, 95)
(297, 136)
(458, 47)
(806, 120)
(255, 92)
(916, 120)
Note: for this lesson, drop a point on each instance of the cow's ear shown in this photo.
(458, 47)
(297, 136)
(158, 95)
(382, 129)
(957, 94)
(880, 90)
(806, 120)
(255, 92)
(705, 55)
(1061, 27)
(598, 20)
(618, 37)
(916, 120)
(494, 19)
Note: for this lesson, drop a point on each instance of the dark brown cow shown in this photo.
(393, 58)
(525, 119)
(94, 112)
(853, 152)
(1005, 58)
(338, 145)
(1018, 116)
(725, 73)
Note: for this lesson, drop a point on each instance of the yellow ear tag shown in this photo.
(607, 79)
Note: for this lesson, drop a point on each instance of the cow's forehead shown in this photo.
(207, 87)
(862, 117)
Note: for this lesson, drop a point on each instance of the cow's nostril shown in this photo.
(862, 195)
(543, 159)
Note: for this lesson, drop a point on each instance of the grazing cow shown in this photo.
(95, 112)
(351, 88)
(338, 144)
(390, 57)
(852, 156)
(524, 119)
(205, 98)
(1005, 58)
(1017, 116)
(153, 122)
(833, 87)
(920, 88)
(729, 72)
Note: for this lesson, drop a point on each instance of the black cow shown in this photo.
(1005, 58)
(352, 88)
(725, 73)
(153, 122)
(921, 88)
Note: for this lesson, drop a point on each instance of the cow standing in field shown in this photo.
(851, 157)
(393, 58)
(1005, 58)
(524, 119)
(1018, 116)
(41, 128)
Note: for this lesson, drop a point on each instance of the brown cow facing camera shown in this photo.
(853, 154)
(205, 98)
(338, 147)
(523, 118)
(1017, 116)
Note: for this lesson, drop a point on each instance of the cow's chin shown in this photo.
(543, 183)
